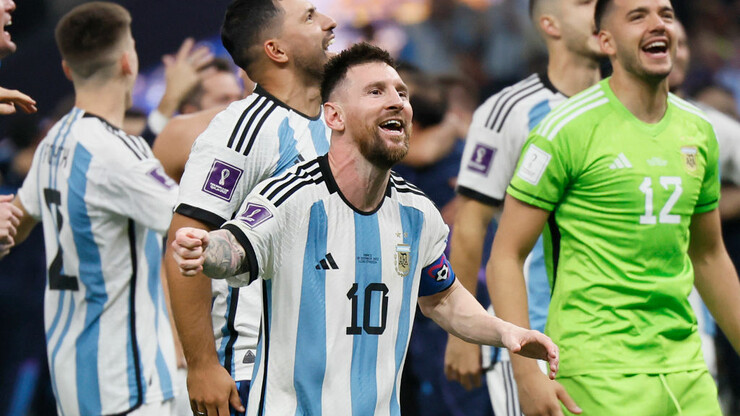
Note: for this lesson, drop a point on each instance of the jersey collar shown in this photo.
(263, 92)
(331, 186)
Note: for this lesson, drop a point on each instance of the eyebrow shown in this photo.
(646, 10)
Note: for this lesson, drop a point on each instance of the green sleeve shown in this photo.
(543, 172)
(710, 188)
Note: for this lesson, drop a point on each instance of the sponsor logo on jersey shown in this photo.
(403, 259)
(161, 177)
(255, 214)
(533, 165)
(689, 157)
(481, 159)
(222, 180)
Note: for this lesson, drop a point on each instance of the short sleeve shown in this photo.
(139, 190)
(544, 171)
(28, 194)
(436, 274)
(217, 178)
(256, 228)
(489, 160)
(710, 187)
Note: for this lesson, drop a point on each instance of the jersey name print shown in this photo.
(621, 194)
(340, 290)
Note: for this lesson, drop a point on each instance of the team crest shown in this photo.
(403, 259)
(689, 157)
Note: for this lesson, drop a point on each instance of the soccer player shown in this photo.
(282, 46)
(625, 178)
(104, 203)
(497, 133)
(346, 248)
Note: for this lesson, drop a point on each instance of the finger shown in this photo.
(568, 401)
(184, 50)
(212, 410)
(7, 109)
(28, 108)
(467, 381)
(15, 96)
(200, 57)
(6, 198)
(235, 401)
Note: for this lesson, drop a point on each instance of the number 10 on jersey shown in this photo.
(665, 216)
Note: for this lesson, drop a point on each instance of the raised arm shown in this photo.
(715, 276)
(520, 226)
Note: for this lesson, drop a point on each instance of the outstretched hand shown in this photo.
(532, 344)
(10, 99)
(182, 74)
(188, 248)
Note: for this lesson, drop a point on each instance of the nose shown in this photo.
(328, 22)
(10, 5)
(656, 22)
(395, 100)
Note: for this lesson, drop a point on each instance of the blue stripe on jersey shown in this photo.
(412, 221)
(54, 353)
(310, 356)
(91, 275)
(363, 384)
(267, 315)
(538, 112)
(153, 253)
(289, 155)
(225, 334)
(318, 135)
(538, 288)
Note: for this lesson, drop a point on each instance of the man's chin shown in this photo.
(7, 48)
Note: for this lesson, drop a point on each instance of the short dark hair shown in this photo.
(532, 7)
(88, 34)
(193, 97)
(602, 6)
(245, 26)
(336, 69)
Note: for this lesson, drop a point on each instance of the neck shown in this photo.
(295, 90)
(645, 99)
(362, 183)
(107, 101)
(571, 73)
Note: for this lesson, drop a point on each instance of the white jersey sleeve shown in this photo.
(28, 194)
(727, 131)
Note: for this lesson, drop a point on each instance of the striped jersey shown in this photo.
(104, 203)
(496, 135)
(622, 194)
(252, 140)
(340, 290)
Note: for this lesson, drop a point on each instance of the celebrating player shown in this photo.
(105, 203)
(282, 46)
(345, 248)
(498, 131)
(625, 177)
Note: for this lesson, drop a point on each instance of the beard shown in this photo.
(375, 150)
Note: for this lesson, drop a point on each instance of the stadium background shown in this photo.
(487, 42)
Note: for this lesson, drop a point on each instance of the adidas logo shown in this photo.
(327, 263)
(248, 357)
(621, 162)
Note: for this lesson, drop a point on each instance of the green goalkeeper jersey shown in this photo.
(621, 194)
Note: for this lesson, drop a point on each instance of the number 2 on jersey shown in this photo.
(58, 281)
(665, 216)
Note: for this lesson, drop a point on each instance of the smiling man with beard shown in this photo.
(346, 248)
(624, 179)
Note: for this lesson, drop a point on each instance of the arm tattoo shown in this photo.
(224, 256)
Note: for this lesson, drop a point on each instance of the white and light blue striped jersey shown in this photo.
(252, 140)
(495, 139)
(340, 288)
(104, 203)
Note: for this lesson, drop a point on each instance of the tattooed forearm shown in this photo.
(224, 256)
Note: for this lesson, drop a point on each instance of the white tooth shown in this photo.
(330, 42)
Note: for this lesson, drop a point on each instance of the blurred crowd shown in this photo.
(455, 54)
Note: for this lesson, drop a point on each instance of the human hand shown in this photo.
(539, 396)
(532, 344)
(10, 218)
(463, 362)
(212, 390)
(188, 248)
(9, 99)
(181, 74)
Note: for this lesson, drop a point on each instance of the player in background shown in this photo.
(625, 180)
(497, 133)
(282, 46)
(104, 203)
(346, 248)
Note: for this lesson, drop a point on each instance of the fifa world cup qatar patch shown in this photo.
(222, 180)
(255, 214)
(481, 159)
(158, 175)
(533, 165)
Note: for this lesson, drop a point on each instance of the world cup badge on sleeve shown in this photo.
(255, 214)
(403, 259)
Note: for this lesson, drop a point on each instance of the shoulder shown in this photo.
(109, 144)
(689, 111)
(293, 184)
(513, 103)
(409, 194)
(579, 113)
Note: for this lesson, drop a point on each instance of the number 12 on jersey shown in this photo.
(665, 216)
